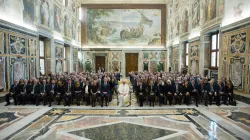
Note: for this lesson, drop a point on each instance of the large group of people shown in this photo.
(150, 88)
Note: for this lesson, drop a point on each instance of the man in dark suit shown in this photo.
(42, 94)
(178, 96)
(51, 90)
(105, 91)
(194, 91)
(12, 93)
(212, 90)
(69, 88)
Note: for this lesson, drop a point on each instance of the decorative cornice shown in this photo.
(241, 23)
(194, 39)
(11, 26)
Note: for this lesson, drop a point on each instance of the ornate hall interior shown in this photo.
(124, 69)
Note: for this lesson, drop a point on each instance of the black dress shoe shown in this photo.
(197, 105)
(7, 104)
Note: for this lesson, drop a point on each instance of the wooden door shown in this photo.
(99, 62)
(131, 62)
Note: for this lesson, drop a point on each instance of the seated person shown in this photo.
(123, 90)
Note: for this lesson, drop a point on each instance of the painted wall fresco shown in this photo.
(124, 27)
(59, 53)
(237, 71)
(45, 13)
(29, 11)
(58, 19)
(17, 45)
(235, 10)
(196, 14)
(153, 61)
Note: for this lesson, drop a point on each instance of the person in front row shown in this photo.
(186, 92)
(177, 92)
(229, 89)
(69, 88)
(123, 90)
(43, 94)
(141, 91)
(51, 90)
(169, 92)
(86, 90)
(194, 92)
(161, 90)
(60, 92)
(211, 89)
(151, 93)
(94, 93)
(12, 93)
(77, 92)
(105, 92)
(34, 92)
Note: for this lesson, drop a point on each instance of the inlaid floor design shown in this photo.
(127, 123)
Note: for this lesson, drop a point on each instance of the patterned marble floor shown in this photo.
(127, 123)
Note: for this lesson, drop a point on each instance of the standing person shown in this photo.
(94, 90)
(105, 92)
(141, 89)
(12, 93)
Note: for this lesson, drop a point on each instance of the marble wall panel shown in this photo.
(18, 69)
(237, 72)
(238, 43)
(17, 45)
(194, 57)
(3, 72)
(59, 66)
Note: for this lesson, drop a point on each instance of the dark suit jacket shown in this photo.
(105, 88)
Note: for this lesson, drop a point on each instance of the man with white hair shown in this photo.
(124, 94)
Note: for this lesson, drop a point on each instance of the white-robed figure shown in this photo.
(123, 90)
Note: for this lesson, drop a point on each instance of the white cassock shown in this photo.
(123, 95)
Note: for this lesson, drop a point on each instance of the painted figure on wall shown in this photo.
(73, 29)
(221, 7)
(196, 14)
(45, 14)
(57, 19)
(185, 22)
(66, 26)
(28, 12)
(177, 23)
(211, 9)
(153, 66)
(238, 9)
(59, 52)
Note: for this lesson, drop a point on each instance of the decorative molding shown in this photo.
(239, 24)
(11, 26)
